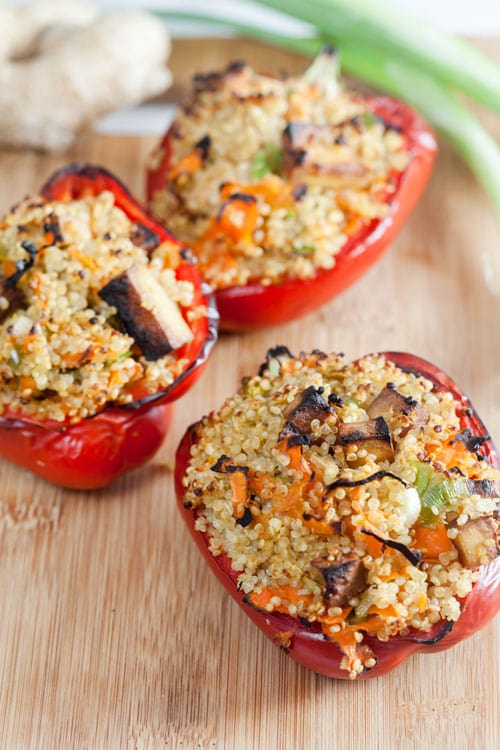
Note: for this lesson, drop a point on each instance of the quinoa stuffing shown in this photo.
(347, 495)
(267, 178)
(67, 348)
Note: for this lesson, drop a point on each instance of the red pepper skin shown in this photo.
(254, 305)
(91, 453)
(307, 644)
(96, 451)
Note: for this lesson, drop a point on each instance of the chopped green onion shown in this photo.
(303, 250)
(423, 477)
(436, 492)
(441, 497)
(400, 36)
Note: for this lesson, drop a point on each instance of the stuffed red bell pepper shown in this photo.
(287, 190)
(104, 321)
(351, 509)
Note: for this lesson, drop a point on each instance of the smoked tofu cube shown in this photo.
(308, 405)
(373, 436)
(147, 312)
(477, 542)
(342, 579)
(399, 411)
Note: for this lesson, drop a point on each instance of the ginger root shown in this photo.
(63, 65)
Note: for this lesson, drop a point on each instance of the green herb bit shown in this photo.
(303, 250)
(368, 119)
(267, 161)
(123, 356)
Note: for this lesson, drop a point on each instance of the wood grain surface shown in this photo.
(113, 634)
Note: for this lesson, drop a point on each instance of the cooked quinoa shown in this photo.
(268, 178)
(63, 353)
(346, 494)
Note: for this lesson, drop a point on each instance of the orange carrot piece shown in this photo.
(238, 217)
(187, 165)
(239, 487)
(432, 541)
(288, 595)
(318, 526)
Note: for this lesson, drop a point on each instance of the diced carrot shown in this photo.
(187, 165)
(329, 620)
(238, 217)
(297, 460)
(355, 654)
(259, 481)
(288, 595)
(352, 225)
(9, 267)
(384, 613)
(373, 546)
(73, 361)
(432, 541)
(272, 189)
(448, 455)
(83, 258)
(292, 501)
(318, 526)
(294, 498)
(26, 382)
(239, 487)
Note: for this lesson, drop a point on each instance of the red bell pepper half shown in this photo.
(95, 451)
(256, 305)
(305, 643)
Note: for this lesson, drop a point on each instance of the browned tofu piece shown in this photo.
(477, 542)
(316, 153)
(398, 410)
(342, 579)
(482, 487)
(307, 406)
(373, 435)
(148, 314)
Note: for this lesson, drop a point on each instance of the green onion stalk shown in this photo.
(411, 60)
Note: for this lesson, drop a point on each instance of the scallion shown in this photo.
(266, 162)
(399, 35)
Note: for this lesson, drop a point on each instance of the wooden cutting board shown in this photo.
(112, 632)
